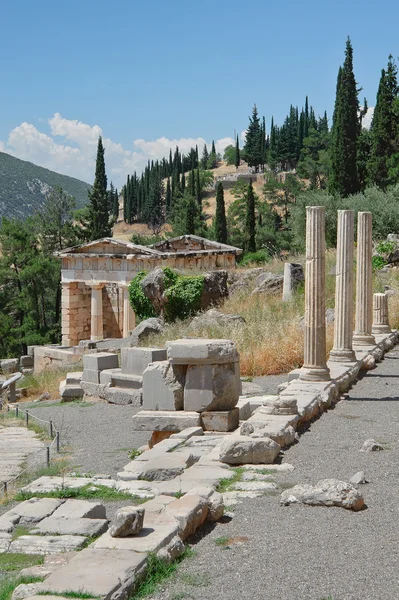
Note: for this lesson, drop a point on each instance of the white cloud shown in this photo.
(368, 117)
(71, 149)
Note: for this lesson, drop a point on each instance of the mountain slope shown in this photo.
(24, 187)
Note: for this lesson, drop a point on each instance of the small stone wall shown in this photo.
(76, 311)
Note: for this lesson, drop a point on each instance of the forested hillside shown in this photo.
(25, 186)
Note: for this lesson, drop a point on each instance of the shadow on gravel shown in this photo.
(386, 399)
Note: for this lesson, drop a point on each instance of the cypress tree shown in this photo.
(220, 216)
(191, 183)
(198, 188)
(253, 141)
(345, 131)
(115, 206)
(168, 197)
(383, 127)
(183, 182)
(306, 119)
(250, 222)
(205, 157)
(98, 225)
(191, 214)
(237, 156)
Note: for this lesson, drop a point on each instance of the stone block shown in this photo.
(70, 392)
(128, 521)
(117, 395)
(46, 544)
(101, 573)
(5, 541)
(186, 434)
(35, 509)
(201, 351)
(65, 526)
(149, 420)
(160, 468)
(80, 509)
(91, 376)
(9, 365)
(212, 387)
(190, 512)
(73, 378)
(220, 420)
(100, 361)
(124, 380)
(236, 450)
(26, 361)
(163, 386)
(277, 428)
(134, 361)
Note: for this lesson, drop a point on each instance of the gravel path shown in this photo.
(99, 435)
(314, 553)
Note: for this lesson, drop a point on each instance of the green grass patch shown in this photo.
(264, 471)
(157, 572)
(19, 530)
(79, 403)
(69, 594)
(225, 485)
(15, 562)
(134, 453)
(87, 492)
(221, 541)
(8, 585)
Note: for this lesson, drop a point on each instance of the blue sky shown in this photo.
(138, 72)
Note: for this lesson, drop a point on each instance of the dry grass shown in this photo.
(48, 381)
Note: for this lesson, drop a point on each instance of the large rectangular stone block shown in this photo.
(201, 351)
(163, 386)
(100, 361)
(220, 420)
(150, 420)
(134, 361)
(212, 387)
(91, 375)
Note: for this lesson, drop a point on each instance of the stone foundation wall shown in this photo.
(113, 311)
(76, 309)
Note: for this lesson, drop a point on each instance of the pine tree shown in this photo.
(345, 131)
(220, 216)
(98, 225)
(383, 127)
(250, 221)
(253, 141)
(237, 156)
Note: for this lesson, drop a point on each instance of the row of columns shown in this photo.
(315, 360)
(97, 317)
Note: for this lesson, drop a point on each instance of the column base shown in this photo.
(381, 329)
(363, 339)
(343, 355)
(96, 338)
(315, 374)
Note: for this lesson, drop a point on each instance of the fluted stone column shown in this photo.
(364, 283)
(129, 320)
(380, 314)
(315, 368)
(343, 323)
(97, 326)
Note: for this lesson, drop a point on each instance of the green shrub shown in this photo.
(140, 303)
(184, 297)
(259, 257)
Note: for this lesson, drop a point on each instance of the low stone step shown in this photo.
(70, 391)
(119, 395)
(74, 378)
(115, 378)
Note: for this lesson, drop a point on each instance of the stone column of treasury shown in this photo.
(364, 282)
(343, 324)
(380, 314)
(97, 325)
(315, 367)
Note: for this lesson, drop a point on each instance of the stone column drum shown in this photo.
(97, 326)
(364, 283)
(129, 321)
(380, 314)
(315, 368)
(343, 324)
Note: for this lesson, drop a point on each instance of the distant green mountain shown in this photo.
(24, 187)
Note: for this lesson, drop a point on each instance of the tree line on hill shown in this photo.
(302, 162)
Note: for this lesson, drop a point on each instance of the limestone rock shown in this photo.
(128, 521)
(144, 329)
(201, 351)
(215, 507)
(236, 450)
(358, 478)
(212, 318)
(269, 283)
(173, 550)
(190, 512)
(283, 434)
(212, 387)
(163, 386)
(371, 446)
(24, 590)
(153, 286)
(327, 492)
(9, 365)
(215, 289)
(281, 406)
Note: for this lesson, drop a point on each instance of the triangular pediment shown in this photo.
(107, 246)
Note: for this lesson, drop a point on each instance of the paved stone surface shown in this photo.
(46, 544)
(35, 509)
(349, 556)
(97, 572)
(16, 443)
(63, 526)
